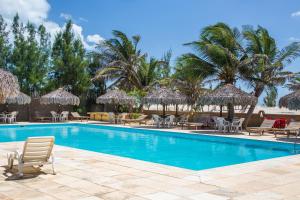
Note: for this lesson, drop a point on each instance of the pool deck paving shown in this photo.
(87, 175)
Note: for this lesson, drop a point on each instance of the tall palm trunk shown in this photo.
(230, 111)
(257, 93)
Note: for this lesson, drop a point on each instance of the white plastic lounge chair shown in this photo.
(266, 125)
(141, 120)
(64, 116)
(222, 124)
(55, 116)
(292, 127)
(183, 120)
(119, 118)
(77, 116)
(3, 118)
(12, 117)
(169, 121)
(236, 125)
(111, 117)
(36, 151)
(156, 120)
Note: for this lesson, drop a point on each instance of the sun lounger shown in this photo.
(292, 127)
(76, 116)
(266, 125)
(36, 151)
(141, 120)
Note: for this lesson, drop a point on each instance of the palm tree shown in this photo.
(147, 72)
(123, 59)
(267, 62)
(218, 55)
(188, 82)
(294, 83)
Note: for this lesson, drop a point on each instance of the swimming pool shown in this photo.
(188, 151)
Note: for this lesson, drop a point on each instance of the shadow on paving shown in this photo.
(29, 173)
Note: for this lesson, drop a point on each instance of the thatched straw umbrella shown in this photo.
(9, 86)
(60, 97)
(291, 101)
(228, 95)
(116, 97)
(165, 96)
(20, 99)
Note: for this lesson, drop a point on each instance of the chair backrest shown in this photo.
(267, 123)
(141, 117)
(241, 121)
(111, 115)
(53, 113)
(220, 120)
(171, 117)
(155, 117)
(75, 114)
(37, 149)
(184, 118)
(65, 113)
(14, 113)
(293, 125)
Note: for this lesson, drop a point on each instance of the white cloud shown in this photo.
(36, 11)
(295, 14)
(294, 39)
(83, 19)
(94, 38)
(65, 16)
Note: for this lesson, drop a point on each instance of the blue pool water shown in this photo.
(194, 152)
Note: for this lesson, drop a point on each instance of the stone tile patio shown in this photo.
(86, 175)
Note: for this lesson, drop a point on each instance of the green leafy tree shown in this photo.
(188, 82)
(270, 98)
(123, 59)
(218, 55)
(164, 69)
(69, 62)
(30, 57)
(5, 46)
(267, 62)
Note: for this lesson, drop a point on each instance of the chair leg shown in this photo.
(53, 171)
(20, 169)
(10, 161)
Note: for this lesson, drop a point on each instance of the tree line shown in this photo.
(220, 55)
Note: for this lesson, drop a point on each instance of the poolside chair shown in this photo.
(37, 151)
(157, 121)
(183, 120)
(119, 118)
(169, 121)
(236, 125)
(77, 116)
(64, 116)
(111, 117)
(3, 118)
(266, 125)
(292, 127)
(222, 124)
(12, 117)
(55, 116)
(141, 120)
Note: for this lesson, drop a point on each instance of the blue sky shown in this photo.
(165, 24)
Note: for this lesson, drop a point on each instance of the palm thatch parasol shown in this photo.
(165, 96)
(20, 99)
(9, 86)
(228, 95)
(60, 97)
(291, 101)
(117, 97)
